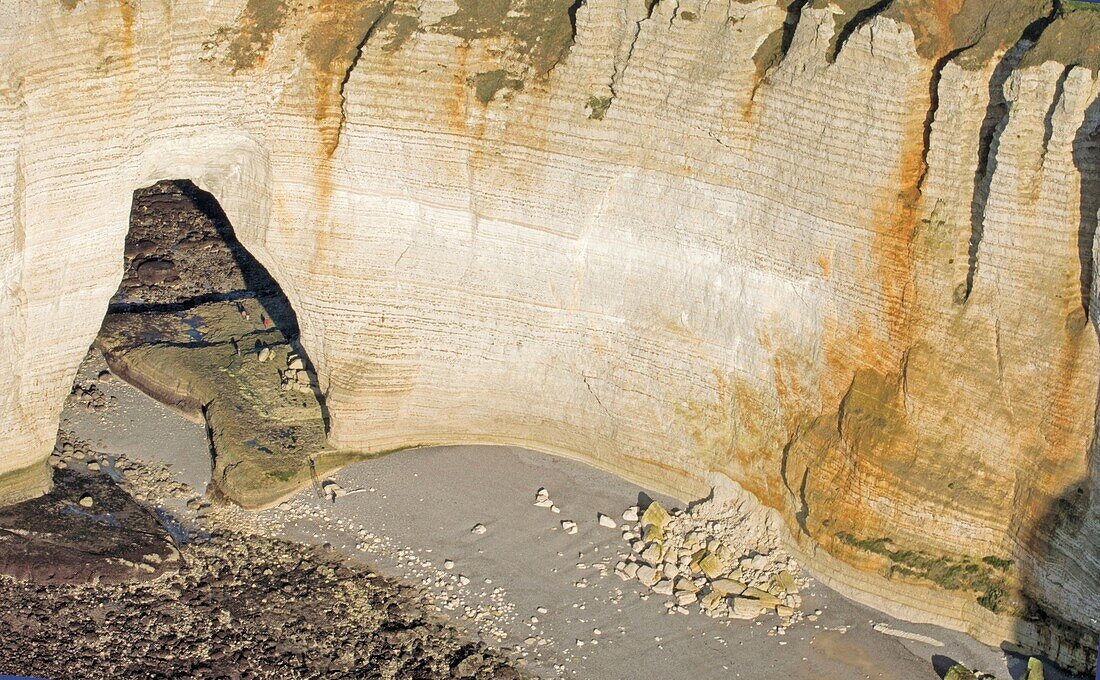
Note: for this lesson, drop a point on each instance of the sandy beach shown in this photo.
(524, 583)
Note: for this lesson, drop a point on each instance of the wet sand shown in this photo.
(518, 584)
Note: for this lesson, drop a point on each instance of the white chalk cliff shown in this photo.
(841, 253)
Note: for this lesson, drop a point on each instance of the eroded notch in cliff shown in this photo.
(858, 19)
(201, 326)
(598, 106)
(1048, 119)
(357, 56)
(933, 108)
(993, 124)
(774, 49)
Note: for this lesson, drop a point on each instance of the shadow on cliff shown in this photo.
(1061, 548)
(1063, 545)
(1086, 158)
(181, 252)
(257, 280)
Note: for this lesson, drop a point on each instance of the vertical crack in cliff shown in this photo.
(1048, 119)
(790, 26)
(993, 124)
(571, 13)
(773, 50)
(620, 68)
(650, 5)
(933, 109)
(858, 20)
(1086, 158)
(803, 512)
(383, 13)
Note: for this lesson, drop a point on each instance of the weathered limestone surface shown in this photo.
(841, 253)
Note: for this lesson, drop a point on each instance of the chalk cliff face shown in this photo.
(841, 253)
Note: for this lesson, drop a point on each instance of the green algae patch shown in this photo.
(487, 85)
(986, 577)
(598, 107)
(539, 32)
(259, 22)
(267, 433)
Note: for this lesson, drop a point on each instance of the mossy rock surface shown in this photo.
(267, 441)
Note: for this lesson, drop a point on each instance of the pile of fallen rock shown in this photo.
(722, 558)
(244, 607)
(295, 376)
(88, 395)
(961, 672)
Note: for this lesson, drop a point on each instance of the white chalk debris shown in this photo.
(723, 556)
(916, 637)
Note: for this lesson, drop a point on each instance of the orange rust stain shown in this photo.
(1068, 409)
(456, 102)
(847, 347)
(665, 467)
(825, 263)
(332, 43)
(931, 24)
(326, 114)
(897, 217)
(790, 390)
(127, 9)
(747, 112)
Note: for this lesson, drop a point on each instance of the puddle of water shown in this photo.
(103, 518)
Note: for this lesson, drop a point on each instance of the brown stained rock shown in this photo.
(971, 32)
(139, 248)
(179, 236)
(244, 606)
(256, 28)
(1072, 38)
(539, 32)
(155, 272)
(85, 530)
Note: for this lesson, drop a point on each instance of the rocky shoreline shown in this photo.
(120, 591)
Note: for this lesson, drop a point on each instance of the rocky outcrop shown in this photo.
(841, 253)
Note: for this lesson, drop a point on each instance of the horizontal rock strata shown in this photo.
(839, 252)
